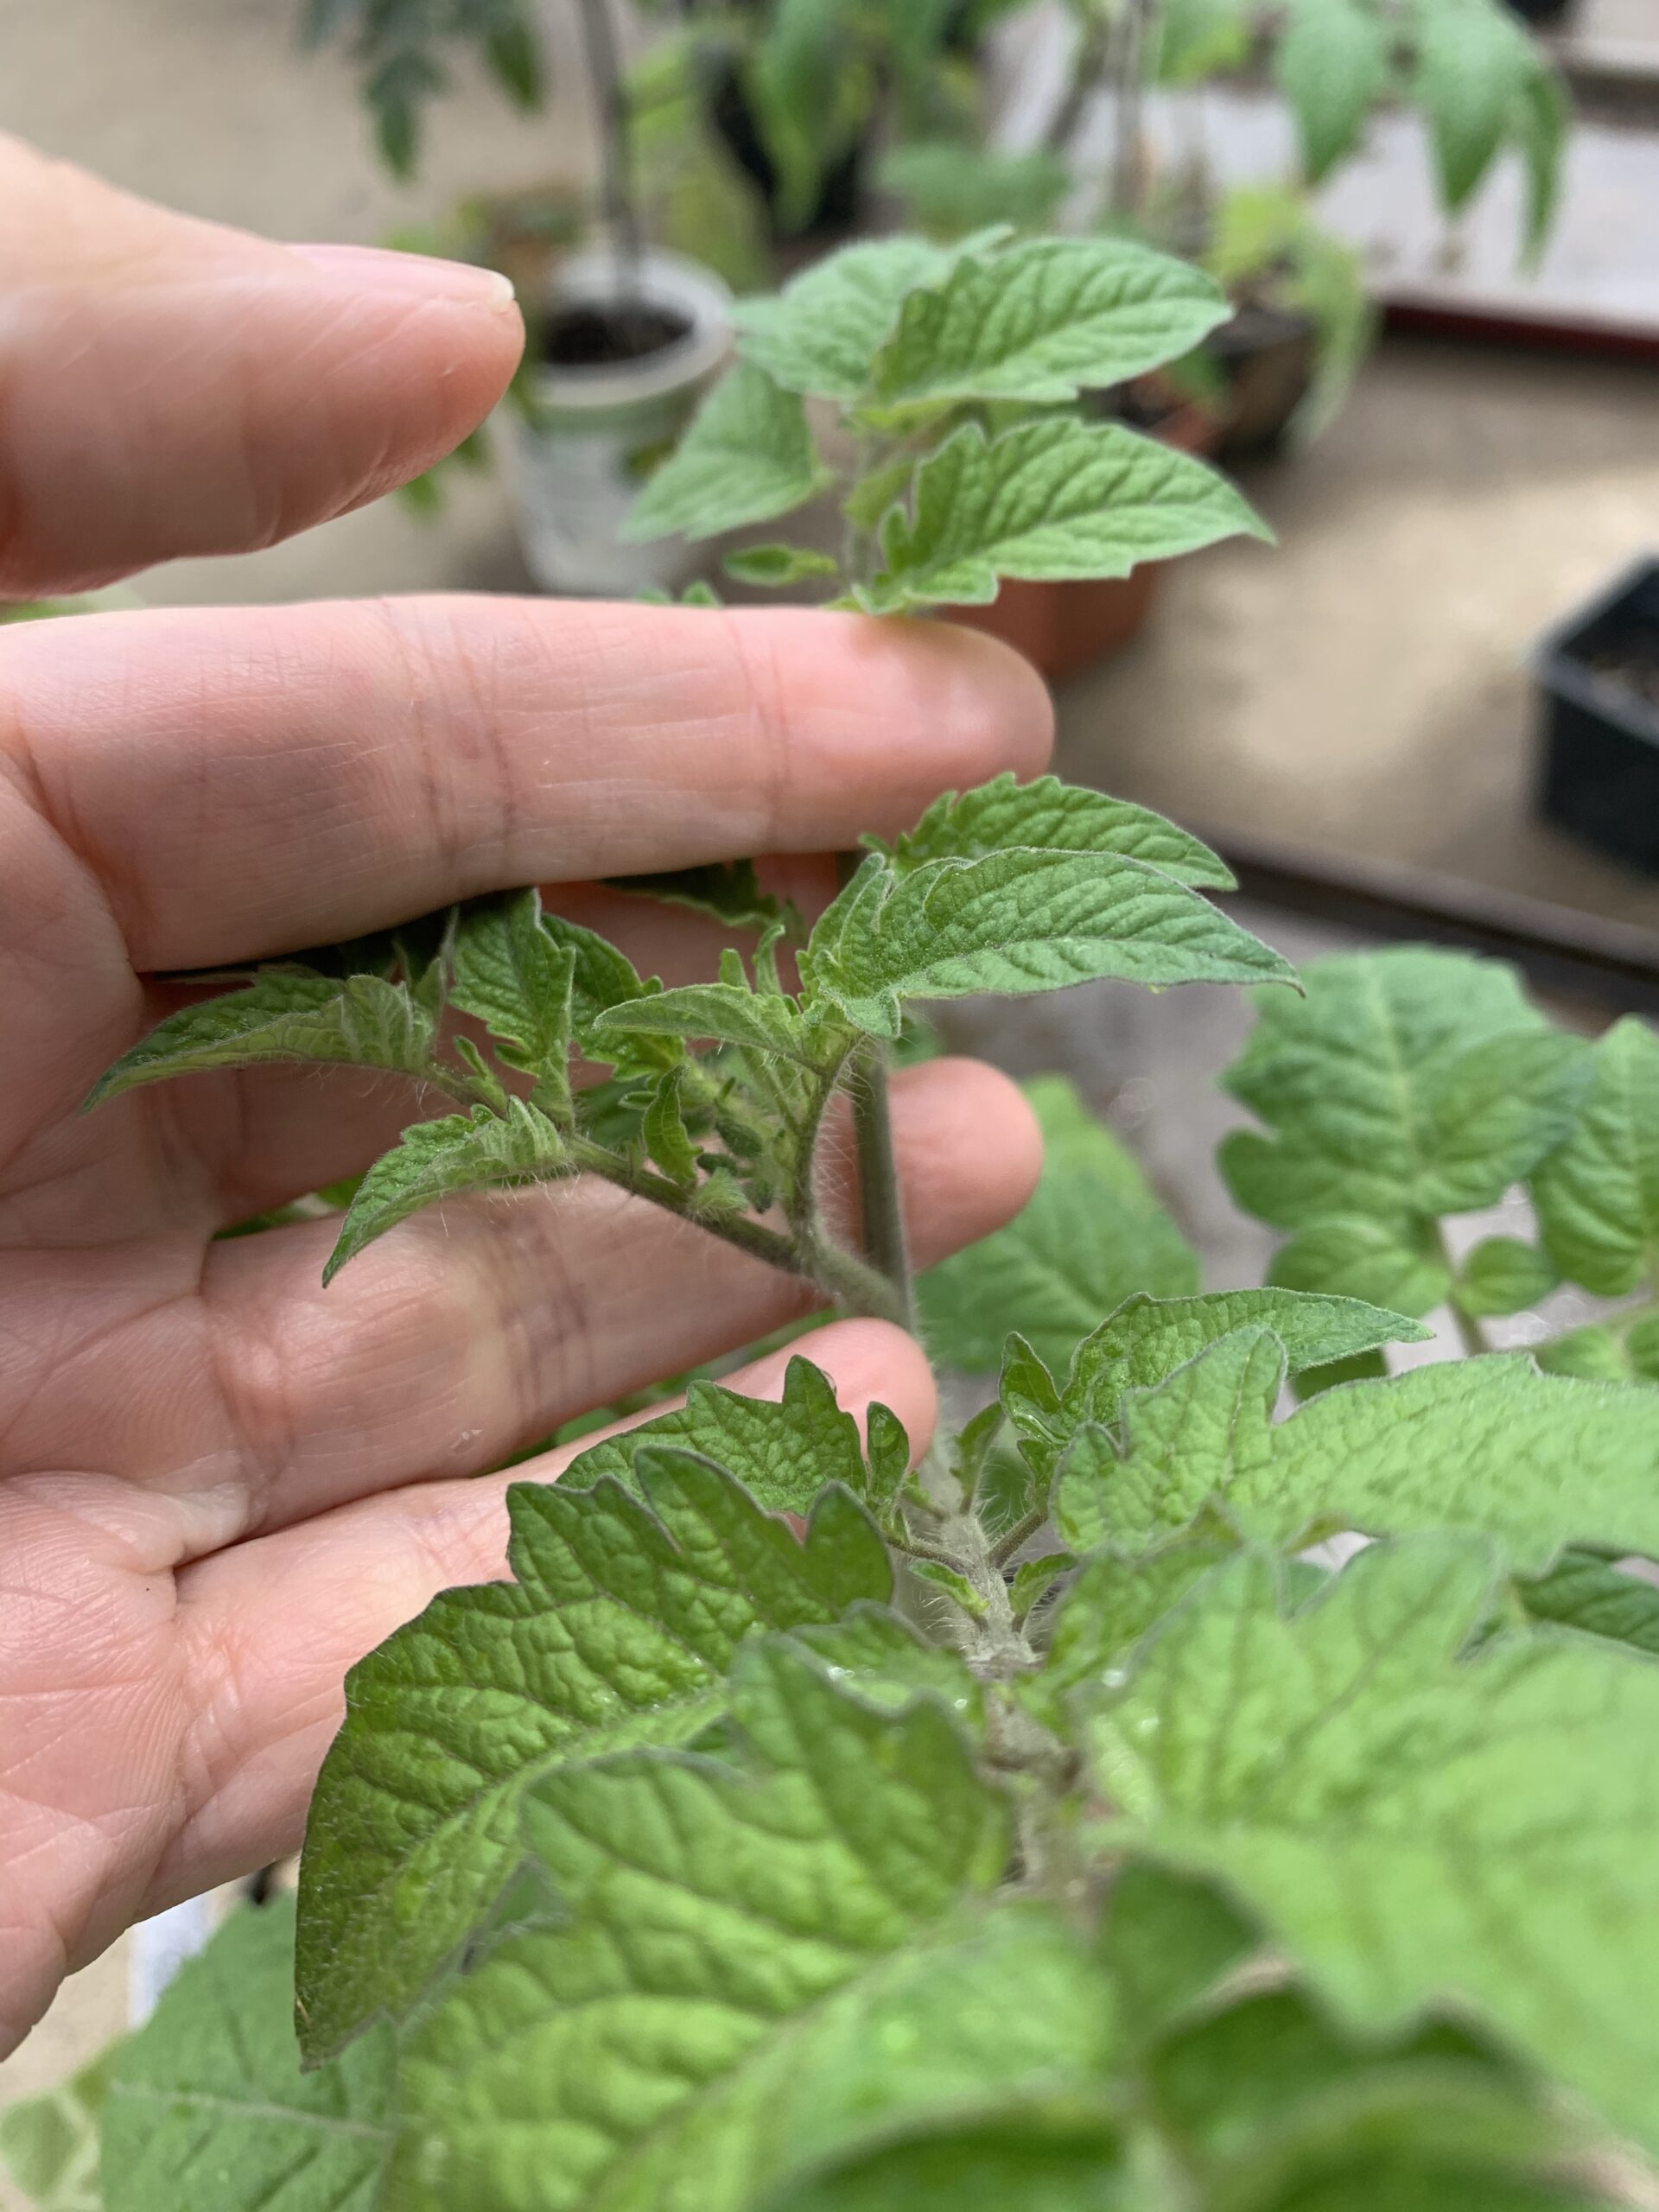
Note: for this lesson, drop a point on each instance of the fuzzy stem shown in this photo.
(885, 1243)
(1020, 1535)
(856, 1288)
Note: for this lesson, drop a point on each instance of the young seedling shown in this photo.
(955, 380)
(1046, 1822)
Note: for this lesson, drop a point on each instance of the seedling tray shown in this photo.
(1599, 679)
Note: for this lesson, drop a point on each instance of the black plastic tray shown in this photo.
(1600, 738)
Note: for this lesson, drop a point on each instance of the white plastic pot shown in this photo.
(576, 459)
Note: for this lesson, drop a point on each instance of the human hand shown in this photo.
(220, 1484)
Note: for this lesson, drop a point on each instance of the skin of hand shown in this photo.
(220, 1486)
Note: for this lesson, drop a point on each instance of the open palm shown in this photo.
(220, 1484)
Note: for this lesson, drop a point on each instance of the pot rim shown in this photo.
(669, 280)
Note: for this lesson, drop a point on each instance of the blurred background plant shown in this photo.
(1481, 86)
(752, 136)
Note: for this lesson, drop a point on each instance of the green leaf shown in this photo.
(1584, 1592)
(777, 565)
(1198, 39)
(820, 335)
(509, 973)
(667, 1141)
(747, 456)
(1034, 1580)
(786, 1451)
(1397, 1265)
(1169, 1942)
(1114, 1602)
(451, 1158)
(725, 890)
(1027, 1392)
(601, 978)
(1017, 922)
(1414, 1829)
(1025, 2165)
(1541, 123)
(867, 504)
(1406, 1085)
(620, 1628)
(1642, 1346)
(1597, 1196)
(954, 188)
(1049, 817)
(208, 2110)
(1594, 1355)
(1364, 1367)
(50, 2145)
(810, 91)
(1042, 322)
(888, 1449)
(1474, 64)
(396, 95)
(756, 1021)
(1332, 65)
(1046, 500)
(360, 1020)
(1527, 1461)
(945, 1580)
(1149, 1340)
(1267, 2096)
(1419, 2182)
(513, 51)
(762, 1968)
(1092, 1235)
(1203, 1433)
(1503, 1276)
(880, 1659)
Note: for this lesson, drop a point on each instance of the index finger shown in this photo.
(174, 387)
(241, 782)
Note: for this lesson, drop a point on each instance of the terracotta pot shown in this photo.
(1063, 628)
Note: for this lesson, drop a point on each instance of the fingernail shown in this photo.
(410, 275)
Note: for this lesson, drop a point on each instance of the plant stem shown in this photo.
(1087, 70)
(856, 1288)
(854, 542)
(1129, 67)
(880, 1200)
(885, 1243)
(618, 198)
(1021, 1534)
(1471, 1335)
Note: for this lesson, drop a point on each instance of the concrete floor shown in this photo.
(1363, 688)
(1360, 691)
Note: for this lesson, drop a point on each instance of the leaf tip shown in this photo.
(346, 1249)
